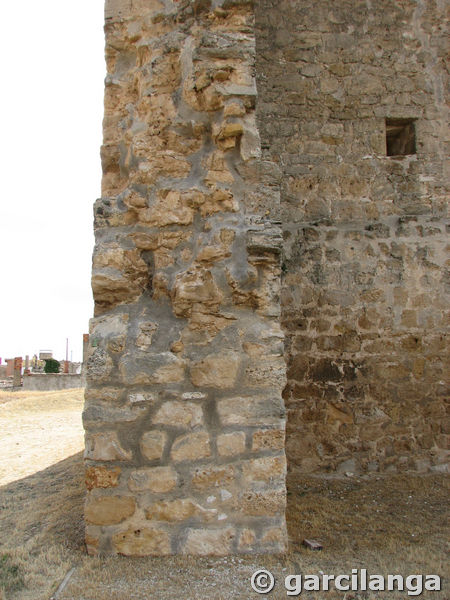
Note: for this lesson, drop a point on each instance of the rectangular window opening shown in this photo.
(400, 137)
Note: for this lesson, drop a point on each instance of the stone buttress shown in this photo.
(184, 417)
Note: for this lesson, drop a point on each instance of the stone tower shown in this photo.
(272, 223)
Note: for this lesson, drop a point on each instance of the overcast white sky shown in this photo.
(51, 105)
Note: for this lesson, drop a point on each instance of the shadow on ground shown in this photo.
(387, 524)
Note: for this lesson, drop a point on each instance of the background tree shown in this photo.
(51, 365)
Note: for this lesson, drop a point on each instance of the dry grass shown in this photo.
(389, 524)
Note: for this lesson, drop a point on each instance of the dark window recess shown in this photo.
(400, 137)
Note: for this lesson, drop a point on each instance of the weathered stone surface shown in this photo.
(219, 371)
(210, 476)
(92, 544)
(118, 276)
(164, 367)
(227, 223)
(146, 332)
(229, 444)
(186, 279)
(99, 365)
(272, 439)
(195, 289)
(191, 446)
(269, 469)
(358, 225)
(247, 538)
(178, 510)
(156, 479)
(250, 411)
(152, 444)
(109, 510)
(102, 477)
(105, 446)
(179, 414)
(267, 503)
(143, 541)
(209, 542)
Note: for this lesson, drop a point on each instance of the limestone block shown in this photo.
(267, 372)
(103, 412)
(170, 209)
(270, 439)
(156, 479)
(152, 444)
(266, 469)
(220, 200)
(205, 542)
(92, 543)
(247, 538)
(99, 365)
(250, 147)
(219, 371)
(179, 414)
(268, 503)
(108, 510)
(118, 276)
(205, 477)
(191, 446)
(105, 446)
(145, 335)
(230, 444)
(195, 287)
(251, 411)
(102, 477)
(142, 541)
(178, 510)
(164, 367)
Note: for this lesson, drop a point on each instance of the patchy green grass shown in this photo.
(11, 575)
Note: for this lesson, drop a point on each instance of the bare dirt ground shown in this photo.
(38, 429)
(386, 524)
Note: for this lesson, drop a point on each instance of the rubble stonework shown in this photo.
(184, 413)
(255, 216)
(364, 290)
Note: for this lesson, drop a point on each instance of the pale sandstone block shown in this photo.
(92, 543)
(191, 446)
(105, 446)
(209, 542)
(272, 439)
(195, 287)
(265, 469)
(147, 368)
(229, 444)
(101, 477)
(108, 510)
(146, 332)
(247, 538)
(178, 510)
(152, 444)
(212, 476)
(268, 503)
(179, 414)
(142, 541)
(156, 479)
(219, 371)
(251, 410)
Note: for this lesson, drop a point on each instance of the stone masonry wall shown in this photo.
(184, 416)
(364, 282)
